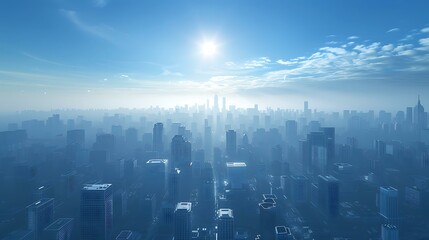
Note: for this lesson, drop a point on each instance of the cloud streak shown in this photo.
(102, 31)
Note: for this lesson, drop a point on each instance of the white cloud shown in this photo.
(425, 30)
(393, 30)
(167, 72)
(261, 62)
(352, 37)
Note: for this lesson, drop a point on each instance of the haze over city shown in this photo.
(214, 120)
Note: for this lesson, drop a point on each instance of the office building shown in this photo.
(182, 221)
(225, 224)
(231, 143)
(39, 215)
(96, 211)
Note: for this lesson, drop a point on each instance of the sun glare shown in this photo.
(208, 49)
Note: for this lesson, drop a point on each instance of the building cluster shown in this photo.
(211, 173)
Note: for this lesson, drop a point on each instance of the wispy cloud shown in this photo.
(100, 3)
(352, 37)
(169, 73)
(43, 60)
(258, 63)
(101, 31)
(393, 30)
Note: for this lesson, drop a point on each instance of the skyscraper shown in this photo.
(231, 143)
(267, 219)
(328, 195)
(180, 152)
(236, 174)
(182, 221)
(216, 103)
(96, 211)
(76, 137)
(225, 224)
(39, 215)
(420, 117)
(388, 203)
(158, 130)
(291, 131)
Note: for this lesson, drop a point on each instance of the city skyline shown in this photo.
(112, 54)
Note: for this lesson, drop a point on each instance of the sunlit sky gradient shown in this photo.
(338, 54)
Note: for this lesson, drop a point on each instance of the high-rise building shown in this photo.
(61, 229)
(39, 215)
(216, 103)
(225, 224)
(231, 143)
(291, 131)
(420, 117)
(182, 221)
(223, 104)
(155, 177)
(180, 153)
(267, 219)
(76, 137)
(298, 189)
(96, 211)
(328, 195)
(236, 174)
(389, 232)
(128, 235)
(388, 203)
(158, 131)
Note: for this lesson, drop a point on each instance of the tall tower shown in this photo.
(231, 143)
(39, 215)
(388, 203)
(216, 103)
(225, 224)
(182, 221)
(223, 104)
(420, 117)
(158, 130)
(96, 211)
(329, 195)
(180, 152)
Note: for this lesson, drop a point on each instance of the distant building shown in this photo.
(158, 145)
(231, 143)
(20, 235)
(39, 215)
(182, 221)
(76, 137)
(225, 223)
(96, 212)
(61, 229)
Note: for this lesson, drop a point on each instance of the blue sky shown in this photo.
(130, 53)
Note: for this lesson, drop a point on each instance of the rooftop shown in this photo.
(157, 161)
(58, 224)
(224, 213)
(283, 230)
(236, 164)
(41, 202)
(184, 206)
(92, 187)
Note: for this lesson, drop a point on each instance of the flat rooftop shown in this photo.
(225, 213)
(94, 187)
(236, 164)
(41, 202)
(58, 224)
(184, 206)
(283, 230)
(157, 161)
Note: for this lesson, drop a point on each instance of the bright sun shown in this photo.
(208, 49)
